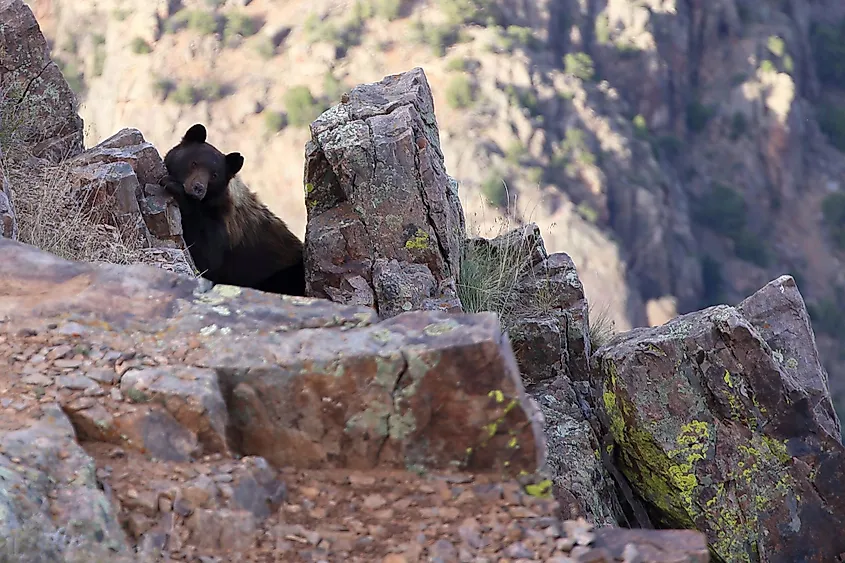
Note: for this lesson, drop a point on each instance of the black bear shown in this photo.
(232, 237)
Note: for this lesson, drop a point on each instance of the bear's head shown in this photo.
(203, 171)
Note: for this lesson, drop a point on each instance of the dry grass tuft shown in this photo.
(57, 216)
(54, 213)
(602, 326)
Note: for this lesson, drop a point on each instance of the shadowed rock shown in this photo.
(307, 382)
(385, 225)
(718, 431)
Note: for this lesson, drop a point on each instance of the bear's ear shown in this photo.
(196, 134)
(234, 163)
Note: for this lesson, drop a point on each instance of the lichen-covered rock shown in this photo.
(121, 176)
(45, 118)
(381, 208)
(52, 508)
(425, 388)
(580, 483)
(717, 432)
(8, 223)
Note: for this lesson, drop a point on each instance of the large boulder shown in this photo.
(51, 505)
(723, 424)
(44, 115)
(385, 225)
(302, 382)
(121, 177)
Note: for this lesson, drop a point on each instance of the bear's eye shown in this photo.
(193, 164)
(214, 176)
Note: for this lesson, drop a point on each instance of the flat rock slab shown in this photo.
(153, 359)
(717, 433)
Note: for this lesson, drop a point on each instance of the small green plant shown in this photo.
(98, 39)
(751, 248)
(457, 64)
(668, 146)
(767, 67)
(99, 60)
(722, 210)
(833, 214)
(494, 189)
(459, 92)
(460, 12)
(776, 45)
(264, 46)
(602, 28)
(388, 9)
(828, 47)
(274, 121)
(640, 126)
(204, 23)
(239, 25)
(579, 65)
(515, 152)
(698, 115)
(139, 46)
(333, 88)
(185, 94)
(120, 14)
(831, 120)
(739, 125)
(302, 108)
(602, 327)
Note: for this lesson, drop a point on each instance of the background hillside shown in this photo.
(684, 153)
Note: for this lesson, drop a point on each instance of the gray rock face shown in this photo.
(723, 424)
(45, 115)
(385, 225)
(40, 459)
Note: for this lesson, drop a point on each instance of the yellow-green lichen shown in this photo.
(439, 329)
(543, 489)
(420, 241)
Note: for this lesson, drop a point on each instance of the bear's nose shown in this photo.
(198, 189)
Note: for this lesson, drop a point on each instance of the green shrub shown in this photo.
(264, 46)
(768, 66)
(388, 9)
(751, 248)
(833, 214)
(139, 46)
(99, 60)
(162, 88)
(827, 317)
(828, 46)
(697, 116)
(274, 121)
(712, 282)
(493, 188)
(524, 98)
(302, 108)
(185, 94)
(722, 210)
(457, 65)
(739, 125)
(602, 28)
(669, 146)
(239, 25)
(204, 23)
(776, 45)
(831, 120)
(521, 36)
(460, 12)
(459, 92)
(333, 88)
(98, 39)
(579, 65)
(515, 152)
(640, 127)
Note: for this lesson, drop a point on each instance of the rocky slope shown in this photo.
(674, 149)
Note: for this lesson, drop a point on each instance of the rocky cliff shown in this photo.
(683, 153)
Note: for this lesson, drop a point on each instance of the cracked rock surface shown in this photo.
(385, 225)
(145, 358)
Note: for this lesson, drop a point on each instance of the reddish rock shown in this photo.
(385, 225)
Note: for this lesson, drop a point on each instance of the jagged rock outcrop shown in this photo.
(44, 115)
(8, 223)
(385, 225)
(346, 392)
(723, 423)
(52, 506)
(121, 176)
